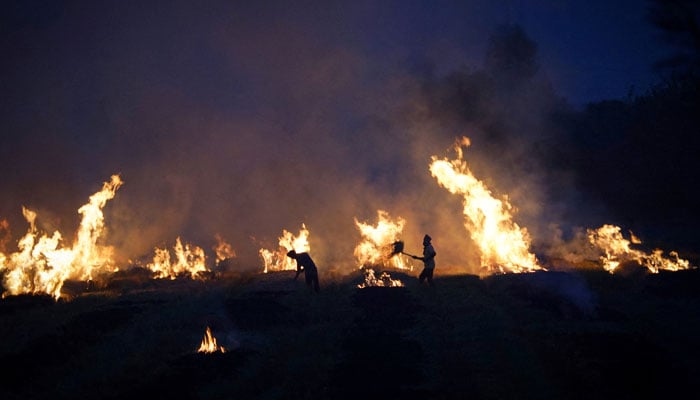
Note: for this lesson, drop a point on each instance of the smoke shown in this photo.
(565, 293)
(507, 108)
(242, 120)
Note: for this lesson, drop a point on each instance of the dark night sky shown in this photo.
(246, 118)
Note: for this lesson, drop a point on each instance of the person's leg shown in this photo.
(316, 285)
(422, 276)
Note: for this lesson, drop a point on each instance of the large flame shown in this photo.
(617, 250)
(376, 246)
(189, 260)
(277, 260)
(43, 264)
(504, 246)
(209, 345)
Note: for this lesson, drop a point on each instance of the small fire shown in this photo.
(384, 280)
(504, 245)
(189, 260)
(634, 239)
(209, 344)
(610, 241)
(376, 246)
(222, 249)
(43, 264)
(278, 260)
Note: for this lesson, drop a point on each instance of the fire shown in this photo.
(5, 236)
(278, 260)
(222, 249)
(209, 344)
(610, 241)
(189, 260)
(634, 239)
(384, 280)
(43, 264)
(375, 249)
(504, 246)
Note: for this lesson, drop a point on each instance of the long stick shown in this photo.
(398, 248)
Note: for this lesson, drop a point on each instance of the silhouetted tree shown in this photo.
(637, 155)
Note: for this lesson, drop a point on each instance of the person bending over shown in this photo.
(306, 265)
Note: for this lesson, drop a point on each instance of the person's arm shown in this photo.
(300, 269)
(429, 255)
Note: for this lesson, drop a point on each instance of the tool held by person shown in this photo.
(397, 247)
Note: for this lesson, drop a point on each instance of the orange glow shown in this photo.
(222, 249)
(617, 250)
(377, 243)
(634, 239)
(384, 280)
(43, 263)
(504, 246)
(189, 260)
(209, 345)
(277, 260)
(5, 236)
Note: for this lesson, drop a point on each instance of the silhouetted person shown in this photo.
(428, 261)
(307, 265)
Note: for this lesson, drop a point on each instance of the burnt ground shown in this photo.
(562, 335)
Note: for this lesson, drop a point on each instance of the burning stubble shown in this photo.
(43, 263)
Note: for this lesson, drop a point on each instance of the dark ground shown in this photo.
(551, 335)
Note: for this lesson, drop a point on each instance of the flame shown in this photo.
(42, 264)
(504, 246)
(376, 246)
(188, 260)
(609, 240)
(634, 239)
(209, 344)
(384, 280)
(222, 249)
(278, 260)
(5, 236)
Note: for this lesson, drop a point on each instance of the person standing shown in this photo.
(306, 264)
(428, 261)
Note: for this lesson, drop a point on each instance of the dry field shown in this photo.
(582, 334)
